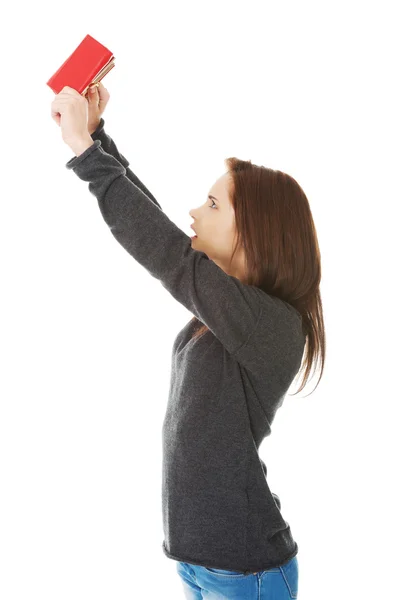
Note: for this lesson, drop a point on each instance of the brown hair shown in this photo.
(275, 226)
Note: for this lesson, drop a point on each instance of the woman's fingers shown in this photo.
(104, 96)
(97, 102)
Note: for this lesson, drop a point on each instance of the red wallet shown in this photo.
(87, 65)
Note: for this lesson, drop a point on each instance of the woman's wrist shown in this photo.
(92, 128)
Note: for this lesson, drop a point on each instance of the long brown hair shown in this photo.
(275, 226)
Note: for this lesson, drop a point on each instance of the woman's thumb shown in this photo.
(93, 93)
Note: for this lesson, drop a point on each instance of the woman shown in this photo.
(251, 279)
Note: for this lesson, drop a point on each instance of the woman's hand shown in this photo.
(98, 98)
(69, 110)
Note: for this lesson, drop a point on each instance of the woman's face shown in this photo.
(214, 225)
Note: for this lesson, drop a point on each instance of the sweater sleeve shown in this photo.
(232, 310)
(110, 147)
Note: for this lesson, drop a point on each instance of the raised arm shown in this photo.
(110, 147)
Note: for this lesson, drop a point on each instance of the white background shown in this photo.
(310, 88)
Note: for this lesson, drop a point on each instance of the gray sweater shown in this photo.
(218, 510)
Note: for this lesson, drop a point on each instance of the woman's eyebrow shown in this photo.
(213, 197)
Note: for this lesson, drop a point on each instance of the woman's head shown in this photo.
(215, 228)
(261, 230)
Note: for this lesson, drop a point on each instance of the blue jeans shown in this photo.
(278, 583)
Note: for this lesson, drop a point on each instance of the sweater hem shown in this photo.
(210, 564)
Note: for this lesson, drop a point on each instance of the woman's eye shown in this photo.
(213, 204)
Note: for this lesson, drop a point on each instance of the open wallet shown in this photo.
(86, 66)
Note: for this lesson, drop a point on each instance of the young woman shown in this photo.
(251, 279)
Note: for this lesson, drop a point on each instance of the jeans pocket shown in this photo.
(290, 573)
